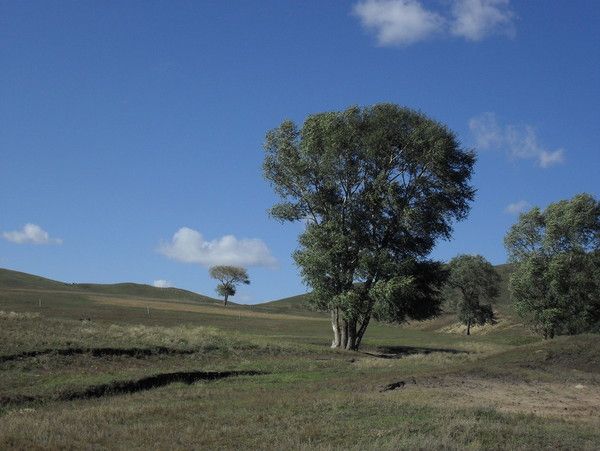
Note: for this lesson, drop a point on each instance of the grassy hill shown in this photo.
(294, 305)
(20, 281)
(25, 292)
(14, 280)
(84, 365)
(10, 279)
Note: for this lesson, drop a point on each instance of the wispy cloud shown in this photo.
(189, 246)
(477, 19)
(520, 141)
(405, 22)
(517, 207)
(31, 234)
(547, 159)
(161, 283)
(486, 131)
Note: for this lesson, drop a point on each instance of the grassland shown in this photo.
(131, 366)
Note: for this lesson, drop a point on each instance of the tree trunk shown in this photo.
(346, 335)
(343, 334)
(351, 342)
(225, 300)
(469, 327)
(335, 324)
(361, 331)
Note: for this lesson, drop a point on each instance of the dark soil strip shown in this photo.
(131, 386)
(397, 352)
(397, 385)
(150, 382)
(98, 352)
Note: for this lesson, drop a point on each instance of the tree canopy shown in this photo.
(556, 285)
(230, 277)
(376, 187)
(476, 280)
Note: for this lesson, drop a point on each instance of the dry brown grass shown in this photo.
(177, 307)
(575, 402)
(503, 324)
(18, 315)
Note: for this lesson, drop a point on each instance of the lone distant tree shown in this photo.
(376, 187)
(556, 283)
(475, 280)
(229, 277)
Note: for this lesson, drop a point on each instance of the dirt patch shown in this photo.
(561, 400)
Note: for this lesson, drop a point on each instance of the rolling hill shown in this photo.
(19, 284)
(19, 281)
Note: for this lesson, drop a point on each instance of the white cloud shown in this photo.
(398, 22)
(31, 234)
(476, 19)
(517, 207)
(189, 246)
(520, 142)
(161, 283)
(404, 22)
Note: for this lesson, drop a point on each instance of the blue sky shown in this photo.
(131, 132)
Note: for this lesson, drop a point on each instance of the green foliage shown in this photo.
(556, 285)
(475, 280)
(225, 290)
(377, 187)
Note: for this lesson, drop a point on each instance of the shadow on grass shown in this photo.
(150, 382)
(397, 352)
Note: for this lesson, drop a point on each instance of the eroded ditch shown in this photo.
(129, 386)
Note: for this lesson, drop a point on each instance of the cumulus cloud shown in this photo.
(189, 246)
(31, 234)
(404, 22)
(398, 21)
(161, 283)
(476, 19)
(517, 207)
(520, 141)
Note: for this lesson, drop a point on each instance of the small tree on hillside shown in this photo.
(556, 282)
(230, 277)
(475, 280)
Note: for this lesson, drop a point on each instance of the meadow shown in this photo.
(134, 367)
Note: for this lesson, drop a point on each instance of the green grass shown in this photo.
(502, 389)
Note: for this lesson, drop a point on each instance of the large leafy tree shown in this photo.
(475, 280)
(229, 277)
(376, 187)
(556, 283)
